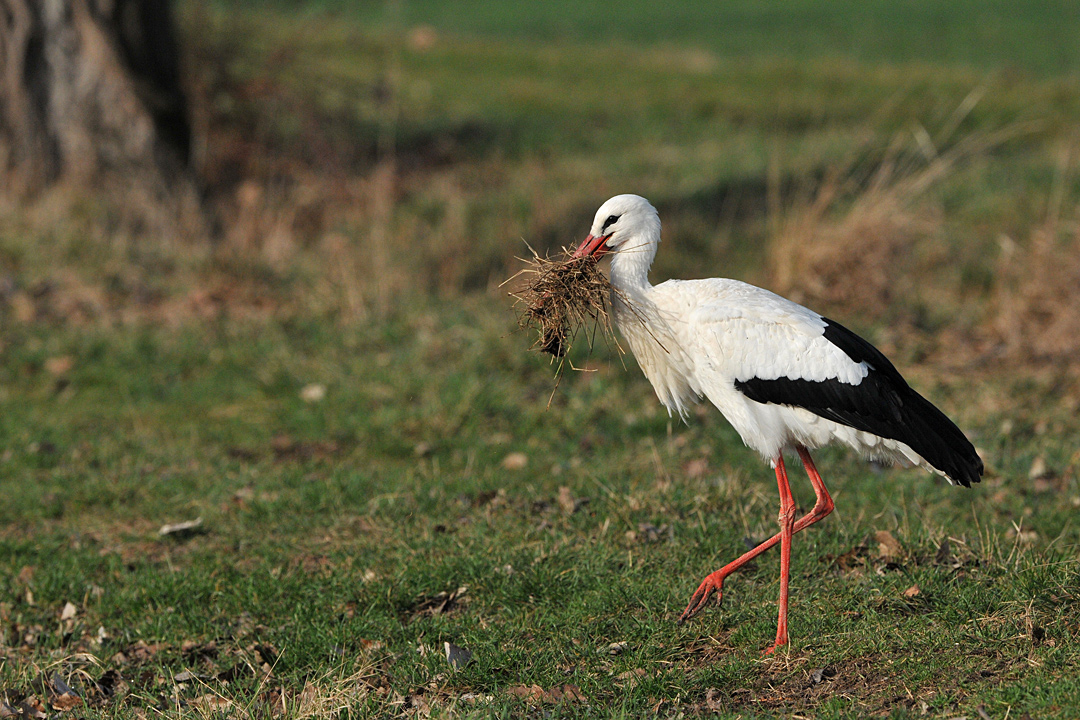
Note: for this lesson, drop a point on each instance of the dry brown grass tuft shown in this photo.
(863, 244)
(562, 297)
(341, 691)
(1037, 303)
(849, 262)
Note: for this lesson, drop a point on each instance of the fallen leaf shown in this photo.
(57, 366)
(567, 501)
(141, 652)
(515, 461)
(419, 704)
(567, 692)
(211, 702)
(694, 469)
(473, 698)
(631, 674)
(244, 495)
(562, 693)
(650, 533)
(615, 648)
(851, 560)
(370, 646)
(68, 612)
(714, 700)
(31, 708)
(313, 393)
(66, 702)
(526, 692)
(274, 701)
(458, 657)
(888, 546)
(181, 529)
(1038, 469)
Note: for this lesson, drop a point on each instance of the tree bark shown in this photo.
(90, 95)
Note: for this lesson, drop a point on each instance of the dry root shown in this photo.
(562, 296)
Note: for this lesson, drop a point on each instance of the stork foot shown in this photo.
(712, 583)
(773, 648)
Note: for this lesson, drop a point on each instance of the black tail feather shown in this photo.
(931, 434)
(882, 403)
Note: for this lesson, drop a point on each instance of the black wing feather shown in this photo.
(882, 404)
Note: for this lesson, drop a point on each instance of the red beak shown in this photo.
(593, 245)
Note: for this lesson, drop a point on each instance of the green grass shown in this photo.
(1036, 37)
(499, 142)
(147, 384)
(326, 533)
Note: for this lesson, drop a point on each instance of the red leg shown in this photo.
(823, 505)
(787, 529)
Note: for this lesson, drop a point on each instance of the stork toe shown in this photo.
(701, 596)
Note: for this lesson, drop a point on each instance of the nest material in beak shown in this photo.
(561, 297)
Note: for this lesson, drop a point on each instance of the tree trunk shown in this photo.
(90, 96)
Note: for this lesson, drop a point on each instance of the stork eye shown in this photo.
(612, 219)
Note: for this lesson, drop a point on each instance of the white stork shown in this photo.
(785, 377)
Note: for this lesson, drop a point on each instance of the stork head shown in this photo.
(622, 219)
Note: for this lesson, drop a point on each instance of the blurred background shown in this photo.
(907, 165)
(266, 413)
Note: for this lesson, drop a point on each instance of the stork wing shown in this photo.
(776, 351)
(741, 332)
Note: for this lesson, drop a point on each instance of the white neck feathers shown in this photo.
(631, 261)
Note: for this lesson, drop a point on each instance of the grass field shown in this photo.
(337, 390)
(1035, 37)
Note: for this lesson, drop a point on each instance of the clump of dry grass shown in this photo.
(562, 296)
(850, 262)
(865, 242)
(1037, 316)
